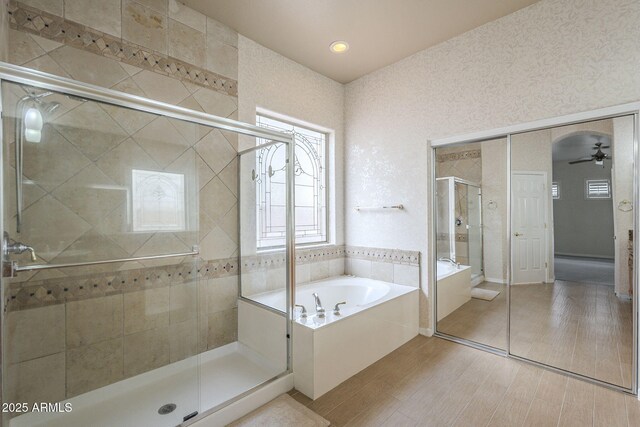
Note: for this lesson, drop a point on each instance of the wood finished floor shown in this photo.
(578, 327)
(434, 382)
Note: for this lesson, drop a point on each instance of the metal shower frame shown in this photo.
(38, 79)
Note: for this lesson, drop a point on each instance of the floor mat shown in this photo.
(484, 294)
(283, 411)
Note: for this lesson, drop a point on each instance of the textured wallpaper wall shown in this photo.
(552, 58)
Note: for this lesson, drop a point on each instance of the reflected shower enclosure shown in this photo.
(470, 230)
(124, 258)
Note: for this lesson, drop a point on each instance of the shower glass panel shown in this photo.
(571, 286)
(121, 281)
(263, 177)
(87, 182)
(471, 238)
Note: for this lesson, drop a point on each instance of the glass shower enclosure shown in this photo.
(459, 223)
(118, 308)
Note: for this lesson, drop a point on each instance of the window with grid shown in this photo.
(310, 186)
(598, 189)
(555, 190)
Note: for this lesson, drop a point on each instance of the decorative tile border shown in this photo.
(395, 256)
(43, 24)
(462, 237)
(39, 293)
(461, 155)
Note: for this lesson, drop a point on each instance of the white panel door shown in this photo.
(529, 227)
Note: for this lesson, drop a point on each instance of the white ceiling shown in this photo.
(577, 146)
(379, 32)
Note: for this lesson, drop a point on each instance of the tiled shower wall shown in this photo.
(74, 331)
(463, 162)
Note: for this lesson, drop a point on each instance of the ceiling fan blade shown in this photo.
(580, 161)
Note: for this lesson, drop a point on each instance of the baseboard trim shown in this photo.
(584, 256)
(427, 332)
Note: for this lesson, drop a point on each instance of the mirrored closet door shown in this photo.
(471, 242)
(571, 235)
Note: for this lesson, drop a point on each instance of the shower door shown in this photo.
(102, 308)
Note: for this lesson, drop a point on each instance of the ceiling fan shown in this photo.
(599, 157)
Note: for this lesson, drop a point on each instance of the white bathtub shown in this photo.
(358, 293)
(378, 318)
(454, 287)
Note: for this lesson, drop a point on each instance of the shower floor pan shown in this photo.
(224, 373)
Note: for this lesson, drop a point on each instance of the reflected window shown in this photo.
(310, 186)
(158, 201)
(555, 190)
(598, 189)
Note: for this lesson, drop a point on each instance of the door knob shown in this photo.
(518, 234)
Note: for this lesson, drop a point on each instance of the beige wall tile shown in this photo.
(336, 267)
(183, 340)
(222, 58)
(46, 64)
(382, 271)
(186, 43)
(222, 328)
(319, 270)
(217, 244)
(22, 48)
(146, 350)
(37, 380)
(37, 159)
(50, 227)
(157, 5)
(54, 7)
(221, 294)
(34, 333)
(216, 199)
(162, 243)
(162, 141)
(360, 267)
(89, 247)
(303, 273)
(144, 26)
(216, 103)
(406, 275)
(148, 309)
(90, 129)
(229, 176)
(220, 32)
(183, 302)
(103, 15)
(161, 88)
(187, 16)
(216, 150)
(93, 320)
(89, 67)
(91, 194)
(119, 162)
(94, 366)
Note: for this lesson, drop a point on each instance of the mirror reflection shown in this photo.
(471, 214)
(572, 193)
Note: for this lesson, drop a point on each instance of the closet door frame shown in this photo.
(630, 109)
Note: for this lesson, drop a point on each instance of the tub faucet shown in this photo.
(303, 310)
(449, 260)
(319, 308)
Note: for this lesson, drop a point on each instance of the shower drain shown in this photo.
(167, 409)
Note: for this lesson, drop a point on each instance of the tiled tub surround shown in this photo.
(389, 265)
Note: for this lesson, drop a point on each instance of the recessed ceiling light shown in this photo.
(339, 46)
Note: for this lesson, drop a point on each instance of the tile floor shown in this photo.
(479, 320)
(434, 382)
(581, 327)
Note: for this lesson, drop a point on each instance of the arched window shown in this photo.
(158, 201)
(310, 186)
